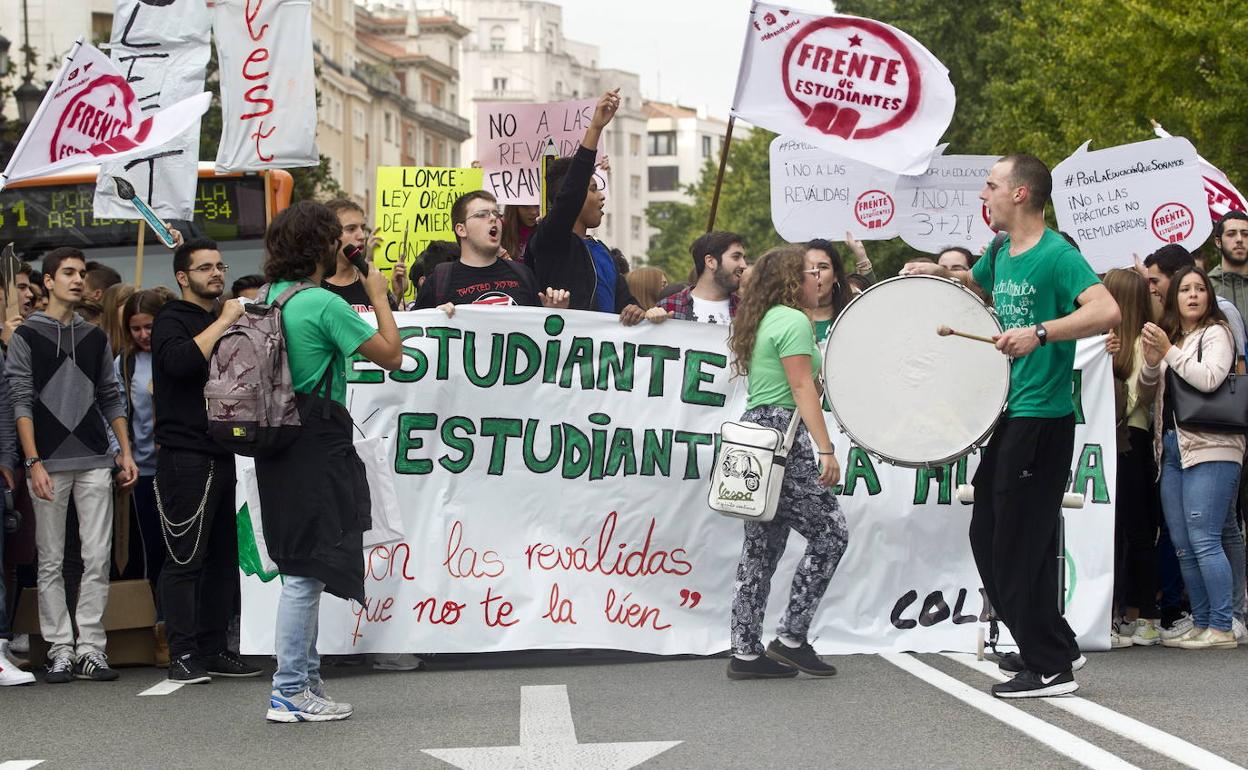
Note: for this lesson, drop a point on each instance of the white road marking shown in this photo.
(1063, 742)
(164, 688)
(20, 764)
(548, 741)
(1132, 729)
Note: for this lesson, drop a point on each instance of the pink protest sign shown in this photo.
(511, 138)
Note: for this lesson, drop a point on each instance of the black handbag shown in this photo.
(1222, 410)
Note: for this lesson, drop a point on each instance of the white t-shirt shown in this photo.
(711, 311)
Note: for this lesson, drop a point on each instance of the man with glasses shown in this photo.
(194, 476)
(479, 277)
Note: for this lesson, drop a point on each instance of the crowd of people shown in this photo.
(103, 420)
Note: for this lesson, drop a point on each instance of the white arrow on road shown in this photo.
(548, 741)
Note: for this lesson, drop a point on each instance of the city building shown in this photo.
(680, 141)
(516, 51)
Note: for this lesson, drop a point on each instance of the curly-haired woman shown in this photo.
(773, 345)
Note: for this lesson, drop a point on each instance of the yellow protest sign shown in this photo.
(414, 208)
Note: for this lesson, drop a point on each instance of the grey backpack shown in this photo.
(249, 394)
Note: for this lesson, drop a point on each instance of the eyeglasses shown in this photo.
(206, 269)
(486, 214)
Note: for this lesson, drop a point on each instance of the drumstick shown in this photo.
(945, 331)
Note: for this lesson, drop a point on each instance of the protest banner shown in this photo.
(414, 208)
(552, 470)
(816, 194)
(1131, 199)
(941, 207)
(853, 86)
(511, 138)
(162, 49)
(1219, 189)
(90, 113)
(268, 86)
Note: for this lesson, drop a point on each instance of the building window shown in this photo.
(454, 156)
(389, 129)
(634, 144)
(664, 178)
(101, 27)
(662, 143)
(411, 143)
(706, 147)
(634, 185)
(634, 228)
(500, 84)
(498, 39)
(357, 123)
(428, 151)
(359, 180)
(440, 146)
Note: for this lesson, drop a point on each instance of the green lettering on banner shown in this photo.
(462, 444)
(611, 368)
(581, 354)
(405, 443)
(443, 334)
(470, 360)
(858, 466)
(550, 367)
(531, 460)
(363, 376)
(659, 355)
(576, 452)
(1077, 395)
(500, 429)
(416, 354)
(923, 478)
(1091, 469)
(656, 453)
(690, 393)
(518, 344)
(598, 460)
(692, 441)
(622, 452)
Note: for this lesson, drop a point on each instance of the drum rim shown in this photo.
(978, 442)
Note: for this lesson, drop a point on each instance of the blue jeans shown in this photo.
(1196, 502)
(298, 610)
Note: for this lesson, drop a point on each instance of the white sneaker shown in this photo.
(1120, 632)
(1146, 633)
(1241, 632)
(397, 661)
(10, 674)
(1178, 628)
(20, 644)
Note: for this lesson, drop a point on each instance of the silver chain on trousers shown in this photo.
(181, 528)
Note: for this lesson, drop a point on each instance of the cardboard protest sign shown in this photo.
(816, 194)
(162, 48)
(853, 86)
(414, 208)
(552, 470)
(90, 113)
(941, 207)
(511, 138)
(1131, 199)
(268, 86)
(1223, 196)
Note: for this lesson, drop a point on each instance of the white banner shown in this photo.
(1131, 199)
(552, 472)
(162, 50)
(817, 194)
(941, 207)
(856, 87)
(91, 113)
(1221, 192)
(511, 138)
(268, 86)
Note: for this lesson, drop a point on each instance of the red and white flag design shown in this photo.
(1223, 196)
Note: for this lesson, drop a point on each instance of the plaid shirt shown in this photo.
(680, 305)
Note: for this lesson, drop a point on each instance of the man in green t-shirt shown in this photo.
(1046, 297)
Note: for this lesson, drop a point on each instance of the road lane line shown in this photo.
(1067, 744)
(164, 688)
(1132, 729)
(20, 764)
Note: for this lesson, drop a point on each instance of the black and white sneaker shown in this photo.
(1012, 662)
(1029, 684)
(227, 664)
(187, 670)
(801, 658)
(94, 666)
(761, 667)
(60, 670)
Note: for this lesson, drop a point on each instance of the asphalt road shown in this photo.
(1143, 707)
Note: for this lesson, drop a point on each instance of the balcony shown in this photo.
(504, 95)
(446, 122)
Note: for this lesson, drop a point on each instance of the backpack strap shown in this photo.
(523, 274)
(994, 248)
(290, 291)
(442, 282)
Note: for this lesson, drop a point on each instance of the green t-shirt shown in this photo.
(1039, 285)
(321, 331)
(783, 332)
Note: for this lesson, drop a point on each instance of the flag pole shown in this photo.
(719, 180)
(138, 255)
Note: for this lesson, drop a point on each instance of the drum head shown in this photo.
(903, 392)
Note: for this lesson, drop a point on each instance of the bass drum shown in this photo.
(903, 392)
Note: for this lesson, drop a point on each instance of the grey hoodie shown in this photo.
(61, 377)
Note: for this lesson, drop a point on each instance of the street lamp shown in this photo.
(29, 96)
(5, 63)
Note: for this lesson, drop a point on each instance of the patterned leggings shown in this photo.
(810, 509)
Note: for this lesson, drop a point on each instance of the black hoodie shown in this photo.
(179, 371)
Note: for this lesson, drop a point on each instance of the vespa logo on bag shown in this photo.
(743, 465)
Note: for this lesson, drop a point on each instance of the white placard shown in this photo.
(1131, 199)
(941, 207)
(553, 494)
(816, 194)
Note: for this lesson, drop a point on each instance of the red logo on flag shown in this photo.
(96, 115)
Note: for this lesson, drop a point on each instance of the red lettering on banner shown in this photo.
(462, 562)
(501, 612)
(258, 135)
(371, 610)
(381, 562)
(265, 103)
(251, 12)
(448, 614)
(256, 56)
(609, 557)
(257, 95)
(632, 614)
(560, 610)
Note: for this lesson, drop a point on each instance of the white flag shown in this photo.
(268, 87)
(855, 87)
(162, 50)
(90, 113)
(1223, 196)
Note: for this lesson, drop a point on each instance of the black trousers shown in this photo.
(199, 579)
(1137, 518)
(1015, 526)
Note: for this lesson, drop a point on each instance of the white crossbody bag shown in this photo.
(749, 470)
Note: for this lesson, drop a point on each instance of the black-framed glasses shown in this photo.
(206, 269)
(486, 214)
